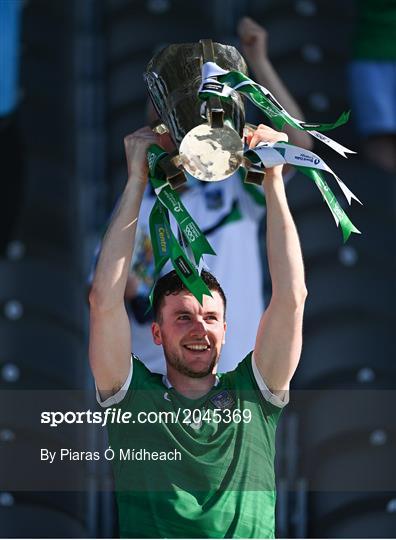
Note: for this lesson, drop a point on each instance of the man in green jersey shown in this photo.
(196, 459)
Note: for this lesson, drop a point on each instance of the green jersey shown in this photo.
(195, 468)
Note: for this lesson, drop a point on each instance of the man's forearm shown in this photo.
(283, 245)
(112, 270)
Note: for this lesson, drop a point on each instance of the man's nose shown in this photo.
(199, 328)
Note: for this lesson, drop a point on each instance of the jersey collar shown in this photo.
(168, 384)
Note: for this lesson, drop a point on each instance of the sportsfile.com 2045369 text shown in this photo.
(113, 415)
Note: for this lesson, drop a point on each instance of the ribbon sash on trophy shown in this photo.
(165, 245)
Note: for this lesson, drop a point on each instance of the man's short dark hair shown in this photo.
(170, 283)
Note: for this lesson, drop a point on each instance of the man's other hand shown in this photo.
(265, 134)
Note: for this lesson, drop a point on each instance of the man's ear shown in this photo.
(225, 329)
(156, 332)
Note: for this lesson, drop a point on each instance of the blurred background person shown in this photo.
(372, 81)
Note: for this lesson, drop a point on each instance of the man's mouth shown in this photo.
(197, 347)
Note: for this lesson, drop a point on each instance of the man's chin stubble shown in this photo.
(184, 370)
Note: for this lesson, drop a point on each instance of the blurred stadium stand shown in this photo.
(83, 92)
(43, 316)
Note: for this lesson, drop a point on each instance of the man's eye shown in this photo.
(183, 318)
(211, 318)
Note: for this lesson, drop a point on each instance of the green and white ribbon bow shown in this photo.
(219, 82)
(310, 164)
(222, 83)
(165, 245)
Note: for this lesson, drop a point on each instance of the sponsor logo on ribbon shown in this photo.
(182, 266)
(163, 240)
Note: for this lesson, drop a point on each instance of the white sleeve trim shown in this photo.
(118, 396)
(278, 401)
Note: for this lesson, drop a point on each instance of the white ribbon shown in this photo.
(293, 155)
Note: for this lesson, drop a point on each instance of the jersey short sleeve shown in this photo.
(118, 396)
(136, 378)
(276, 400)
(247, 380)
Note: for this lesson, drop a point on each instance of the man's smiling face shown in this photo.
(191, 335)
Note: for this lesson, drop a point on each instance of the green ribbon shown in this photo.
(346, 225)
(219, 82)
(340, 217)
(191, 232)
(165, 245)
(266, 102)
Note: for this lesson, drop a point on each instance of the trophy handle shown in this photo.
(214, 108)
(254, 175)
(248, 129)
(159, 127)
(169, 166)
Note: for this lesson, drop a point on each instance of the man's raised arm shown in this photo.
(279, 337)
(109, 341)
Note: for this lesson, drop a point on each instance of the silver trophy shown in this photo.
(208, 134)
